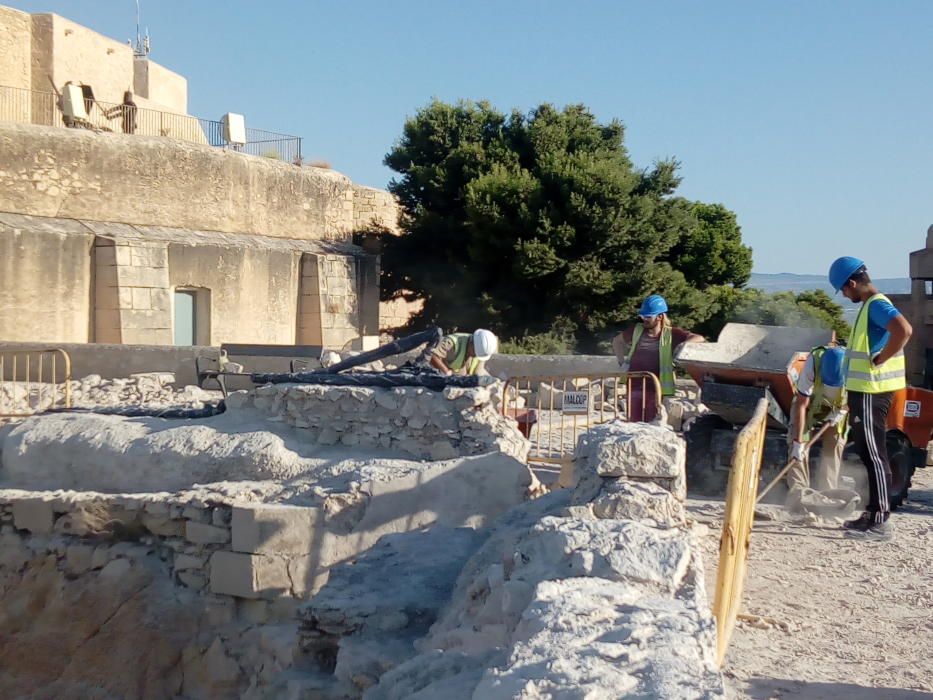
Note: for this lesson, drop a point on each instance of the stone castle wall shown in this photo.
(154, 181)
(372, 207)
(257, 235)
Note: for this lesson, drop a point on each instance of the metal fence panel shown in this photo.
(42, 108)
(32, 381)
(737, 523)
(565, 406)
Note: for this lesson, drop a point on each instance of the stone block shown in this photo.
(184, 562)
(640, 501)
(307, 575)
(33, 514)
(163, 526)
(140, 298)
(248, 575)
(107, 319)
(78, 558)
(124, 297)
(160, 299)
(633, 450)
(199, 533)
(143, 277)
(105, 255)
(145, 319)
(263, 528)
(123, 255)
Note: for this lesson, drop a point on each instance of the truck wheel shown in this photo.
(702, 476)
(902, 467)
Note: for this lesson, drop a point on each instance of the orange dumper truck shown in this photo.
(750, 362)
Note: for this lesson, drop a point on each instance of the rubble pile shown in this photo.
(153, 390)
(596, 592)
(291, 547)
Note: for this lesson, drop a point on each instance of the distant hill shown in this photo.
(789, 282)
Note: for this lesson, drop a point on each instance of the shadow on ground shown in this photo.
(779, 689)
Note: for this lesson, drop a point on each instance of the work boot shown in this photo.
(860, 524)
(881, 532)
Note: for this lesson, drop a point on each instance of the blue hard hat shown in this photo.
(653, 306)
(842, 269)
(832, 371)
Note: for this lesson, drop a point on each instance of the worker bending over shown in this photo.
(464, 353)
(874, 371)
(821, 398)
(649, 346)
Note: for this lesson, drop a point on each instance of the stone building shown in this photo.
(918, 307)
(40, 53)
(157, 239)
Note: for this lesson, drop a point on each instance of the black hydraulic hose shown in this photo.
(174, 412)
(388, 380)
(396, 347)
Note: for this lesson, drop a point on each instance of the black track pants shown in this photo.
(868, 418)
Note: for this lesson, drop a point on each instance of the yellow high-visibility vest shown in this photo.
(861, 374)
(666, 357)
(461, 345)
(820, 407)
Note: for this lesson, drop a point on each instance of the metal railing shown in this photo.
(43, 108)
(737, 526)
(565, 406)
(32, 381)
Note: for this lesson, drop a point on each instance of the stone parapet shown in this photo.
(422, 423)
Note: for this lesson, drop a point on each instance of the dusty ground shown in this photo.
(854, 620)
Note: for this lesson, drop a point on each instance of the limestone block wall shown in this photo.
(161, 88)
(136, 179)
(373, 207)
(423, 423)
(253, 292)
(77, 281)
(15, 49)
(396, 313)
(65, 50)
(46, 283)
(338, 299)
(132, 295)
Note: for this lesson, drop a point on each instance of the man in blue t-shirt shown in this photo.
(874, 370)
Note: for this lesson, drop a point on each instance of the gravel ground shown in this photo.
(844, 619)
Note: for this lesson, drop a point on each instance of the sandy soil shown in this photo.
(851, 620)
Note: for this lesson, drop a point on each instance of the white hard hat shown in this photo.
(485, 344)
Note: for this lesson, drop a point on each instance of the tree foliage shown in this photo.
(539, 226)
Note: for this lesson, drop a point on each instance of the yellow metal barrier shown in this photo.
(564, 406)
(737, 526)
(32, 381)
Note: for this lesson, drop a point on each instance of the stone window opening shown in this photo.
(191, 316)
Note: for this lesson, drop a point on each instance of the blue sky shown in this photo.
(811, 120)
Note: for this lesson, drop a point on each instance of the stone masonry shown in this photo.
(422, 423)
(132, 292)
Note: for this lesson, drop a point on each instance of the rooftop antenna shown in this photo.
(141, 50)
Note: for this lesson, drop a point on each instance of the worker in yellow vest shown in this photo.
(649, 346)
(464, 353)
(875, 369)
(820, 398)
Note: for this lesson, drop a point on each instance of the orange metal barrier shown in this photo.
(564, 406)
(32, 381)
(737, 526)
